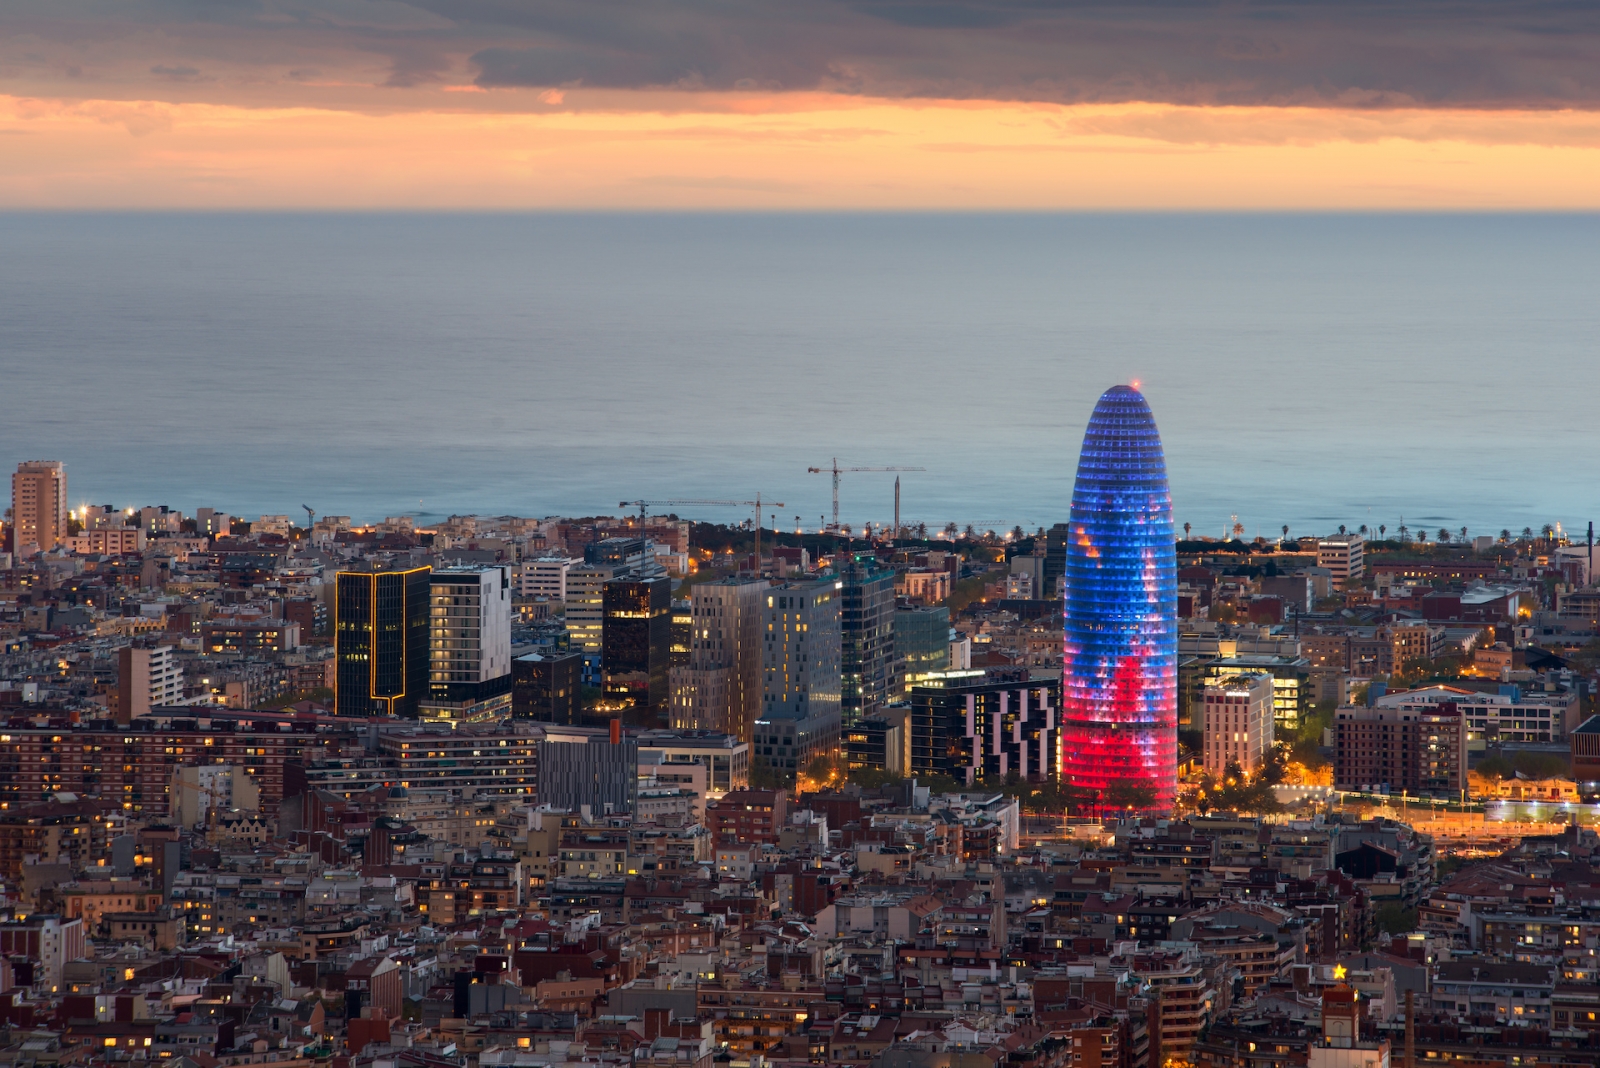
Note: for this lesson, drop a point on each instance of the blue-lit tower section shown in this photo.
(1119, 669)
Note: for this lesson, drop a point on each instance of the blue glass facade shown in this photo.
(1120, 643)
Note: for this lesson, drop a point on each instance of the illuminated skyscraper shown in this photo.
(1119, 663)
(381, 642)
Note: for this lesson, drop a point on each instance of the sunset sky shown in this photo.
(797, 104)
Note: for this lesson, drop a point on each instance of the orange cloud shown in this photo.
(621, 150)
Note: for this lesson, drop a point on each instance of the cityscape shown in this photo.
(801, 534)
(528, 791)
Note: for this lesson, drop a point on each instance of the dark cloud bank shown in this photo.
(1317, 52)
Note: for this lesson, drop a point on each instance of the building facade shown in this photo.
(586, 589)
(720, 689)
(1342, 554)
(545, 687)
(147, 677)
(381, 642)
(1119, 655)
(866, 630)
(985, 725)
(469, 643)
(636, 644)
(1238, 723)
(1420, 751)
(38, 506)
(921, 643)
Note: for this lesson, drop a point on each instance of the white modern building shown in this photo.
(544, 576)
(469, 643)
(1343, 556)
(586, 594)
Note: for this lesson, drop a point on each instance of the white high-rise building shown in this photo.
(544, 576)
(586, 592)
(469, 643)
(147, 678)
(1238, 722)
(1342, 554)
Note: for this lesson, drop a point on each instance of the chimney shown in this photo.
(616, 732)
(1411, 1030)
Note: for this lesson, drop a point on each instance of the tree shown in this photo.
(1130, 796)
(922, 531)
(1186, 532)
(1505, 536)
(1016, 532)
(1527, 532)
(1444, 535)
(951, 530)
(762, 775)
(1402, 533)
(1495, 768)
(1395, 919)
(1463, 534)
(1382, 530)
(1362, 530)
(1286, 532)
(1341, 528)
(1422, 537)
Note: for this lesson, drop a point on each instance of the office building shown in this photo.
(636, 644)
(789, 745)
(801, 677)
(586, 586)
(147, 677)
(589, 769)
(681, 631)
(720, 689)
(1120, 650)
(1291, 684)
(1237, 723)
(1342, 555)
(866, 633)
(985, 725)
(38, 506)
(544, 576)
(1508, 715)
(877, 743)
(1055, 562)
(545, 687)
(801, 649)
(921, 643)
(725, 758)
(381, 625)
(469, 643)
(624, 553)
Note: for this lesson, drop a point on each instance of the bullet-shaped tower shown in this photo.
(1119, 669)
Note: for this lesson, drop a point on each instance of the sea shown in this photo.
(1306, 370)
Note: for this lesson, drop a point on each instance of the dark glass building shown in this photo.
(1120, 650)
(866, 638)
(636, 646)
(545, 687)
(985, 725)
(381, 642)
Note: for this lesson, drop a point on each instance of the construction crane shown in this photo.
(756, 504)
(311, 516)
(836, 471)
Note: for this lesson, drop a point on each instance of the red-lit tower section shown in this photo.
(1119, 669)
